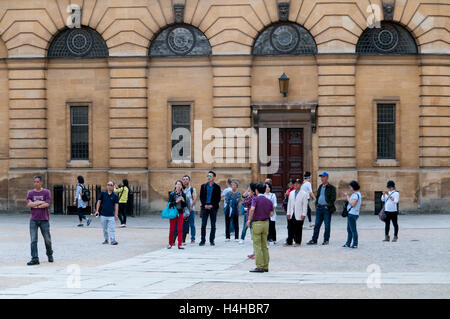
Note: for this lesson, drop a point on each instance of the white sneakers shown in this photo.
(227, 240)
(241, 242)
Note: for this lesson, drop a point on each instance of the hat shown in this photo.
(298, 180)
(324, 174)
(390, 184)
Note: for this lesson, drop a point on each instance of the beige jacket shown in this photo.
(298, 205)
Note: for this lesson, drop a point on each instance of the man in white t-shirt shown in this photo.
(307, 188)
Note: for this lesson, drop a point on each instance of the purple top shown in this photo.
(263, 207)
(44, 196)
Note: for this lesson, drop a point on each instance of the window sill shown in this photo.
(386, 163)
(79, 164)
(180, 164)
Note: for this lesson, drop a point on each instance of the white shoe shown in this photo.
(227, 240)
(241, 242)
(236, 240)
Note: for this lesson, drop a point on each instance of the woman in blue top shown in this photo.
(353, 207)
(232, 200)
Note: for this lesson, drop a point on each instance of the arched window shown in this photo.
(285, 38)
(180, 40)
(81, 42)
(390, 38)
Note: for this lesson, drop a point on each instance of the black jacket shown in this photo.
(330, 196)
(173, 199)
(215, 198)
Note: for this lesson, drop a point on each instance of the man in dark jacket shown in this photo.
(326, 196)
(210, 195)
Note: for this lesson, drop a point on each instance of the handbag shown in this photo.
(382, 215)
(344, 210)
(169, 212)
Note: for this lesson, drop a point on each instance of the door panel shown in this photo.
(290, 160)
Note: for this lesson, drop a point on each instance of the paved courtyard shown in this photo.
(417, 266)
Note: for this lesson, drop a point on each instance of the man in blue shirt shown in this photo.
(108, 208)
(210, 198)
(326, 196)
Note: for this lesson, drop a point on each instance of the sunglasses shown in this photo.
(110, 185)
(209, 175)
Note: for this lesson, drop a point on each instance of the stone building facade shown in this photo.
(96, 87)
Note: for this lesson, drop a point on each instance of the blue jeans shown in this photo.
(322, 215)
(108, 224)
(244, 228)
(44, 225)
(192, 224)
(205, 214)
(352, 232)
(80, 211)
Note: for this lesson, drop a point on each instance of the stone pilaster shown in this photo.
(128, 142)
(336, 116)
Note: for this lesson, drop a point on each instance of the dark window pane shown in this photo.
(79, 132)
(181, 118)
(386, 131)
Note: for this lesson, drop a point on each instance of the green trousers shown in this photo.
(260, 230)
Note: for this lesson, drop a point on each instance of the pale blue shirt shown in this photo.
(354, 210)
(321, 200)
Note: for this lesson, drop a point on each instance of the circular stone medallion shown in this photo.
(386, 38)
(284, 38)
(180, 40)
(79, 42)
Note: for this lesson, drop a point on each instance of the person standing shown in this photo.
(225, 204)
(80, 203)
(391, 199)
(232, 200)
(247, 203)
(177, 199)
(191, 199)
(272, 236)
(326, 197)
(353, 208)
(38, 200)
(260, 213)
(108, 209)
(296, 213)
(286, 194)
(122, 191)
(307, 188)
(210, 198)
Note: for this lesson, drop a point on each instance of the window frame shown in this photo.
(75, 162)
(170, 105)
(381, 162)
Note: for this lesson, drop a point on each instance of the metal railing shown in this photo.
(63, 198)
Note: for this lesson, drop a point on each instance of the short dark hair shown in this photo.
(214, 174)
(270, 187)
(179, 181)
(261, 187)
(38, 176)
(187, 177)
(307, 175)
(229, 181)
(291, 180)
(125, 182)
(354, 185)
(390, 184)
(252, 186)
(80, 179)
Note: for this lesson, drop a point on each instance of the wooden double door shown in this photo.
(290, 159)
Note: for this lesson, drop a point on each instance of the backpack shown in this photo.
(85, 193)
